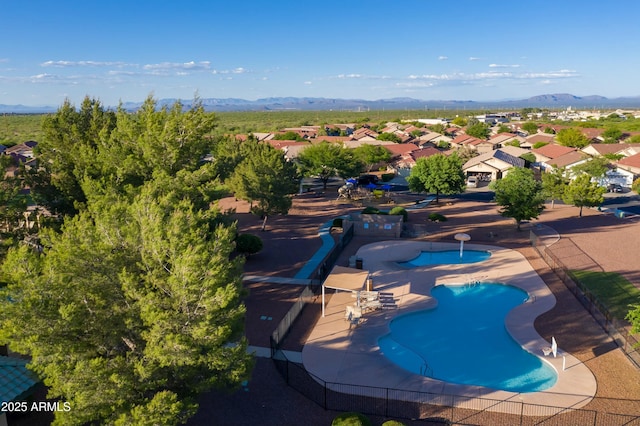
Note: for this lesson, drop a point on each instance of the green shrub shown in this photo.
(635, 186)
(539, 145)
(398, 210)
(351, 419)
(386, 177)
(370, 210)
(248, 244)
(393, 423)
(437, 217)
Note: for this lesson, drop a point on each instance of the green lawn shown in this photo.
(611, 289)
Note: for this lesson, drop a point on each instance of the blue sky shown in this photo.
(425, 49)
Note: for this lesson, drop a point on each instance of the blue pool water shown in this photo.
(464, 340)
(447, 257)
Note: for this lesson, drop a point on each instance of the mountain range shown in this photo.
(553, 101)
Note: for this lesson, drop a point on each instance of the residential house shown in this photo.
(333, 139)
(364, 132)
(630, 149)
(482, 146)
(602, 149)
(631, 165)
(548, 153)
(22, 152)
(462, 140)
(433, 138)
(567, 161)
(354, 143)
(619, 175)
(536, 138)
(593, 134)
(403, 163)
(291, 148)
(492, 165)
(504, 139)
(263, 136)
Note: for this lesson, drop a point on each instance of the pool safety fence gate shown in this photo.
(440, 408)
(618, 330)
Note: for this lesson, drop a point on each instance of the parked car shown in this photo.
(367, 179)
(614, 187)
(472, 182)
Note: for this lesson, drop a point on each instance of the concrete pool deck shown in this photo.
(338, 352)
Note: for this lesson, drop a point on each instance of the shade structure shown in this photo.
(462, 238)
(346, 279)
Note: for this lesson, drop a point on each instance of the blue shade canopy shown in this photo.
(371, 186)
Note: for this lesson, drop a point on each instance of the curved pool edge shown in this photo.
(336, 353)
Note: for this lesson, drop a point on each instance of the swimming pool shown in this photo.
(451, 257)
(464, 340)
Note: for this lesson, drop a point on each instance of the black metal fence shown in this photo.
(310, 291)
(618, 330)
(330, 259)
(439, 408)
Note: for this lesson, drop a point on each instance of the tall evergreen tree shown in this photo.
(135, 308)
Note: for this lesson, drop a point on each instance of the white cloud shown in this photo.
(473, 58)
(203, 65)
(238, 70)
(67, 64)
(494, 75)
(504, 66)
(443, 58)
(361, 76)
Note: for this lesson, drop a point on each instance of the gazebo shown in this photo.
(346, 279)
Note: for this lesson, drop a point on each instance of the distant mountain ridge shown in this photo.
(558, 100)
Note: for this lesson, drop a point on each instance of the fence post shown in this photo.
(521, 412)
(324, 403)
(386, 403)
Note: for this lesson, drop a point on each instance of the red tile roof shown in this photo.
(425, 152)
(632, 161)
(568, 159)
(401, 148)
(553, 150)
(333, 139)
(540, 137)
(281, 144)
